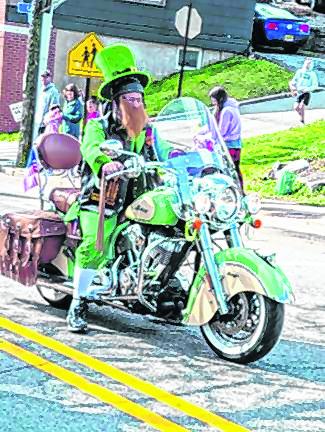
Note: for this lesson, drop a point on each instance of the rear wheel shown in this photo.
(52, 296)
(291, 48)
(55, 298)
(249, 331)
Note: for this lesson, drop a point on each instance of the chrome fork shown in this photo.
(212, 268)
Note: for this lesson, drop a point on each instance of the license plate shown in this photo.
(289, 38)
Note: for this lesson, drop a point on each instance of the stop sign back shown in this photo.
(195, 22)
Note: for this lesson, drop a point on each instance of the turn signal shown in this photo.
(257, 223)
(197, 223)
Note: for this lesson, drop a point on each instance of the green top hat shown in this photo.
(117, 62)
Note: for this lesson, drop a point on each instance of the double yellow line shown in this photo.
(123, 404)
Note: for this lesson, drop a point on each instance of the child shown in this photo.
(53, 119)
(228, 118)
(92, 105)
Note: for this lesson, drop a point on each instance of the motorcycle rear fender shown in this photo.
(63, 263)
(242, 270)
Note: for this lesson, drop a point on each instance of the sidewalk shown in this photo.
(266, 123)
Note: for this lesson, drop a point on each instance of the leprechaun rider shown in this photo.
(124, 86)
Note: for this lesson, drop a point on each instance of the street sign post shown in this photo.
(181, 19)
(80, 60)
(188, 23)
(17, 111)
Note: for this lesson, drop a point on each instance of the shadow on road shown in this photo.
(295, 359)
(155, 340)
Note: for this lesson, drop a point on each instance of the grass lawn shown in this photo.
(243, 78)
(14, 136)
(261, 152)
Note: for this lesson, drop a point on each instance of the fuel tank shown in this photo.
(154, 207)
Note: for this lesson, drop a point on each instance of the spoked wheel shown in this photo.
(55, 298)
(249, 331)
(52, 296)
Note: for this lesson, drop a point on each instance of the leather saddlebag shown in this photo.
(27, 240)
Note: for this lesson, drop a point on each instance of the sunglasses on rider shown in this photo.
(133, 100)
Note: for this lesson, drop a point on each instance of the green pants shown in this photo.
(87, 256)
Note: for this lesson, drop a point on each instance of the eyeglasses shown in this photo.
(133, 100)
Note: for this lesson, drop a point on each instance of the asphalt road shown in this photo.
(283, 392)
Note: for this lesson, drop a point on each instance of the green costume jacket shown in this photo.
(120, 192)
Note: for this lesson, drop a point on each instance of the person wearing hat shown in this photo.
(126, 122)
(49, 96)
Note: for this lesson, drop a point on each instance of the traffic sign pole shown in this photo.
(181, 75)
(87, 91)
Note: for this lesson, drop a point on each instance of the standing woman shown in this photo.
(72, 111)
(228, 119)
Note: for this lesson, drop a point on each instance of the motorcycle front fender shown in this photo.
(242, 270)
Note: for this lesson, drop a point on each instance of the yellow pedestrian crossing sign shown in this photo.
(80, 61)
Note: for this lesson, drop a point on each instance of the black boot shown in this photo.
(77, 315)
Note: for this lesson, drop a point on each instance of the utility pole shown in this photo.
(37, 59)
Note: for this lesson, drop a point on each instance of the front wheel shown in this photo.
(249, 331)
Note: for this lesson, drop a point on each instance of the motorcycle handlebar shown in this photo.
(140, 166)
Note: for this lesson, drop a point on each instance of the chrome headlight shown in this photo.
(252, 203)
(227, 204)
(202, 203)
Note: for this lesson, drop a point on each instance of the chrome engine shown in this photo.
(147, 257)
(162, 253)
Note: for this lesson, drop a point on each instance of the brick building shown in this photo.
(13, 51)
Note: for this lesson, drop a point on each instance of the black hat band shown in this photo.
(129, 87)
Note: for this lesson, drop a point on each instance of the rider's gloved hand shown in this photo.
(111, 168)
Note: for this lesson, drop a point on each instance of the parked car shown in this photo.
(273, 26)
(316, 5)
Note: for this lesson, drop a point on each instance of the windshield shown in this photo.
(190, 129)
(273, 12)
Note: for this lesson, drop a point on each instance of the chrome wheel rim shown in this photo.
(50, 293)
(244, 328)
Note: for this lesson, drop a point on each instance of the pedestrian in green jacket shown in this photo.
(127, 122)
(72, 111)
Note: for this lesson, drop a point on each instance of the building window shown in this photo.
(148, 2)
(193, 58)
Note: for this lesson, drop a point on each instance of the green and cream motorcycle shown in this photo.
(178, 253)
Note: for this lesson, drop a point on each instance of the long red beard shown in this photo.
(133, 118)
